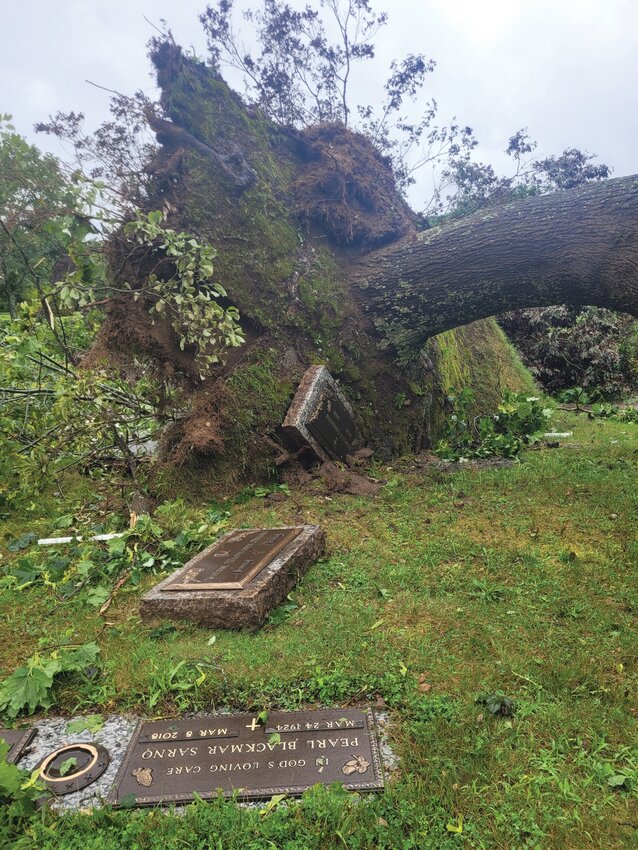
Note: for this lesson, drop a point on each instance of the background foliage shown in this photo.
(565, 347)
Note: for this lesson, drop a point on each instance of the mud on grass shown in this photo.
(444, 588)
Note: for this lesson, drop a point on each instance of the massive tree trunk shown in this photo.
(574, 247)
(325, 262)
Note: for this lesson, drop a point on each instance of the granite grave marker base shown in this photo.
(171, 761)
(18, 741)
(237, 581)
(321, 418)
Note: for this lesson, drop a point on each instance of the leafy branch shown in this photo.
(30, 687)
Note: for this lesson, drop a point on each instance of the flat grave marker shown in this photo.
(321, 418)
(237, 581)
(18, 741)
(171, 761)
(231, 564)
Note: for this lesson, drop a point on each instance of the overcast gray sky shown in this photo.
(566, 69)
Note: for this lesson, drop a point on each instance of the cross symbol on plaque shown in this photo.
(253, 724)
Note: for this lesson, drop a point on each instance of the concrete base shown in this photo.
(237, 609)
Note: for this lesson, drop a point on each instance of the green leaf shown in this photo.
(22, 542)
(25, 572)
(64, 522)
(68, 765)
(117, 546)
(27, 687)
(272, 804)
(79, 658)
(617, 780)
(91, 723)
(97, 596)
(30, 687)
(455, 827)
(498, 704)
(84, 567)
(10, 777)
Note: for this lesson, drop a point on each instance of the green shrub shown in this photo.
(502, 434)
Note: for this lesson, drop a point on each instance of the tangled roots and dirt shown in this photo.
(348, 187)
(199, 432)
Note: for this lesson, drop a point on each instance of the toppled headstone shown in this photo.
(171, 761)
(320, 417)
(237, 581)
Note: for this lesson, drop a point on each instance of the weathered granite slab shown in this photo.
(321, 418)
(238, 608)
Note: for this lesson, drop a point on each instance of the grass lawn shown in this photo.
(447, 587)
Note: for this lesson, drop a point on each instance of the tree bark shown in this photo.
(572, 247)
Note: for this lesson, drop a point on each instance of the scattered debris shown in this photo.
(53, 541)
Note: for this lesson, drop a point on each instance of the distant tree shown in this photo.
(471, 185)
(117, 152)
(301, 76)
(38, 212)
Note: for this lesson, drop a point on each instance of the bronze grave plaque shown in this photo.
(18, 741)
(234, 561)
(292, 752)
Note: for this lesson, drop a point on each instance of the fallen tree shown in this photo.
(326, 263)
(574, 247)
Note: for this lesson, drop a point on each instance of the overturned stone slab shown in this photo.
(321, 418)
(172, 761)
(237, 581)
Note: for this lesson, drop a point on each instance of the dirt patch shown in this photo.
(127, 329)
(331, 478)
(474, 465)
(336, 480)
(427, 460)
